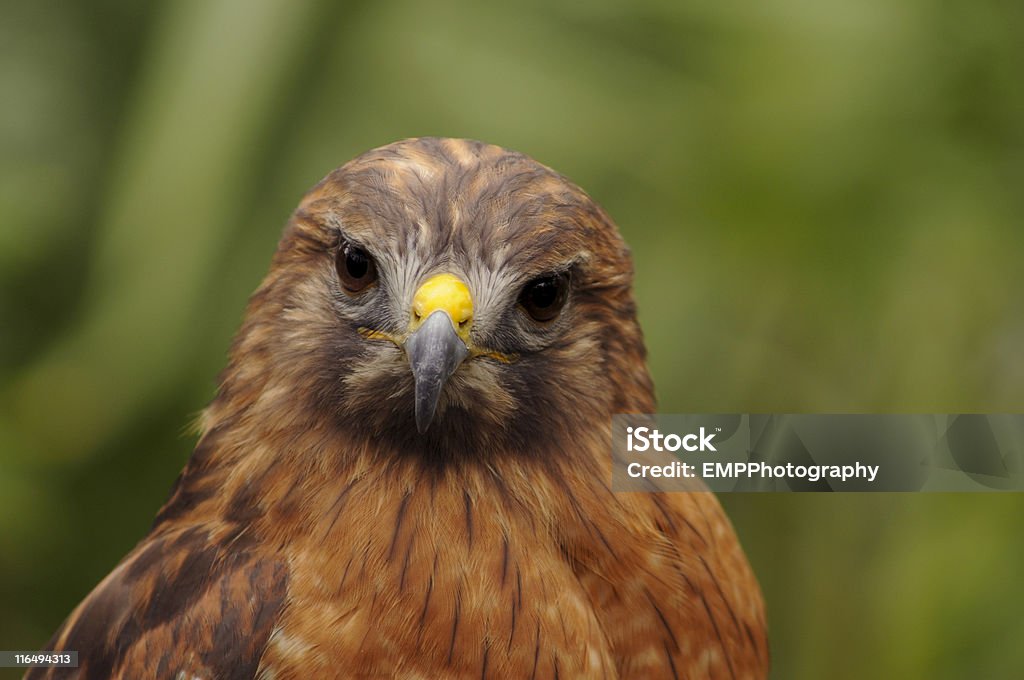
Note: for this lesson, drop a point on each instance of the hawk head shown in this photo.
(422, 391)
(448, 296)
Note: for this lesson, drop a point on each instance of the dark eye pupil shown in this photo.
(356, 263)
(356, 270)
(544, 293)
(544, 298)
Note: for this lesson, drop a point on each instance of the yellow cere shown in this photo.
(447, 293)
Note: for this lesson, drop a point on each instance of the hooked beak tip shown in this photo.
(423, 421)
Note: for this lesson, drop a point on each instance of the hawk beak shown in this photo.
(437, 345)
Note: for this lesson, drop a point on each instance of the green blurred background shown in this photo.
(824, 199)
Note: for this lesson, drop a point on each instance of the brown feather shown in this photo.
(316, 533)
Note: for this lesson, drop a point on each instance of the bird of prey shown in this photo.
(405, 471)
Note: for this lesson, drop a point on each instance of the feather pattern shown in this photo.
(316, 533)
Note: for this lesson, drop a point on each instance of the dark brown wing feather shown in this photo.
(179, 603)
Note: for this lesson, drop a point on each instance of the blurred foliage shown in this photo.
(824, 201)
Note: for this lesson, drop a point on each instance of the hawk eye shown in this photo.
(544, 297)
(356, 269)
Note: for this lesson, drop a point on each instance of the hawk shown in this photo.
(405, 472)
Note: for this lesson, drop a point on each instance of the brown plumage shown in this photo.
(332, 523)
